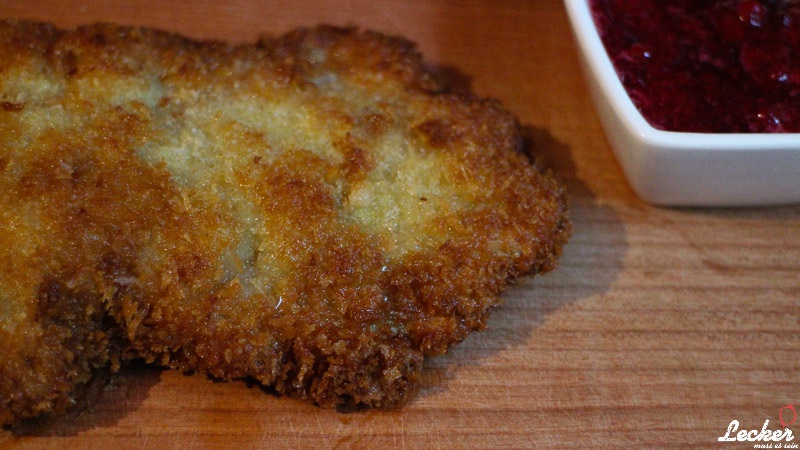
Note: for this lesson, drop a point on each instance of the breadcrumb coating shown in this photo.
(317, 211)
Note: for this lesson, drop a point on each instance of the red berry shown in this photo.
(790, 25)
(752, 12)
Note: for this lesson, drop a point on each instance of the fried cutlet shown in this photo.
(317, 211)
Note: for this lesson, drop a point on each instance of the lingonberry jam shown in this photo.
(712, 66)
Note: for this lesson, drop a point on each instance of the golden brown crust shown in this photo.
(318, 211)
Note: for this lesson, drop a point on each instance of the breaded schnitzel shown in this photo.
(318, 211)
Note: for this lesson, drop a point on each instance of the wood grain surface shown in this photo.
(659, 328)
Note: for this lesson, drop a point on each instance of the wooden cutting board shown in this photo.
(659, 328)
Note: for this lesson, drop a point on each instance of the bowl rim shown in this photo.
(597, 58)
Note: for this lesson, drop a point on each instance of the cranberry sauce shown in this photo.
(714, 66)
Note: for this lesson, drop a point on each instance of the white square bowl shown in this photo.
(683, 169)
